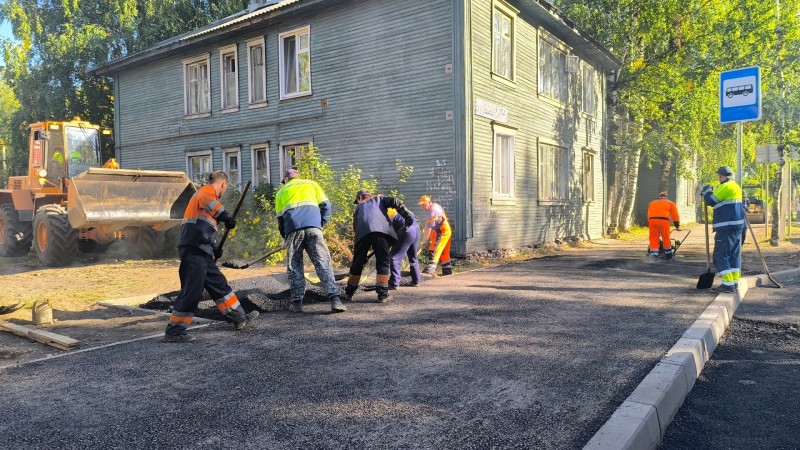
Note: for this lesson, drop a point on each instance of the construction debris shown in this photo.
(45, 337)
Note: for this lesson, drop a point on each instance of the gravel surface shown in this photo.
(748, 393)
(534, 354)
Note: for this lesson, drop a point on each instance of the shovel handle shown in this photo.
(271, 252)
(235, 212)
(708, 245)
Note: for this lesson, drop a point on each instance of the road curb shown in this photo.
(642, 419)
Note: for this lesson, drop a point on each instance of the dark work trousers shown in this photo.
(198, 271)
(380, 244)
(726, 257)
(406, 246)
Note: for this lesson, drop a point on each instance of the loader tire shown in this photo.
(147, 243)
(15, 235)
(55, 241)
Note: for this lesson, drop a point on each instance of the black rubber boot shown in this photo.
(447, 269)
(349, 292)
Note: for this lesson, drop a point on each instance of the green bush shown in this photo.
(257, 227)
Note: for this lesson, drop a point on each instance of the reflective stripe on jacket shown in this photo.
(301, 204)
(727, 202)
(200, 219)
(663, 209)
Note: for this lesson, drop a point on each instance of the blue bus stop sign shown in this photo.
(740, 95)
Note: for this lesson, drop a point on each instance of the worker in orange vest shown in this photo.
(659, 213)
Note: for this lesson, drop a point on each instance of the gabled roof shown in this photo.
(549, 14)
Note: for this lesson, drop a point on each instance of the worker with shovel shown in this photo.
(373, 230)
(659, 213)
(198, 269)
(303, 209)
(728, 224)
(438, 232)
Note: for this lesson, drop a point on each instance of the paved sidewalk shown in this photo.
(532, 354)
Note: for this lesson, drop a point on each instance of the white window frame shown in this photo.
(550, 172)
(558, 70)
(589, 175)
(589, 88)
(236, 151)
(187, 88)
(227, 104)
(199, 153)
(251, 81)
(288, 146)
(510, 13)
(296, 33)
(501, 133)
(255, 148)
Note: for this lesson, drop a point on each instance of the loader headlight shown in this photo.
(42, 173)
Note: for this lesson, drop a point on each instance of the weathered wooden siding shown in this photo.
(380, 64)
(527, 222)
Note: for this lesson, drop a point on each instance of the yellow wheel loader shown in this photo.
(71, 201)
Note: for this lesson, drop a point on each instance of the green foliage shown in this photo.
(257, 227)
(58, 42)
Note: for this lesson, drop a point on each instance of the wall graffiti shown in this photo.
(441, 184)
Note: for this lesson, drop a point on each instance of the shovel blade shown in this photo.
(706, 280)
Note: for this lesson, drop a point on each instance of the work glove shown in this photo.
(217, 253)
(409, 222)
(678, 226)
(706, 189)
(230, 223)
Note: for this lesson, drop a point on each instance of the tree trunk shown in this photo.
(666, 169)
(775, 194)
(617, 192)
(631, 178)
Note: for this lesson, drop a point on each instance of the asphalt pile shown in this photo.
(263, 294)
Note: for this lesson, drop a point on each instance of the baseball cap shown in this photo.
(424, 199)
(361, 193)
(725, 170)
(291, 172)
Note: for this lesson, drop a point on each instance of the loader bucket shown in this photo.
(118, 198)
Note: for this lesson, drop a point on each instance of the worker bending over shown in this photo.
(373, 230)
(659, 214)
(198, 269)
(438, 233)
(728, 225)
(407, 246)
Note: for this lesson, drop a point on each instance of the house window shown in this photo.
(588, 176)
(231, 166)
(553, 77)
(553, 173)
(229, 80)
(197, 90)
(503, 42)
(295, 63)
(290, 154)
(198, 166)
(256, 75)
(260, 164)
(503, 163)
(588, 104)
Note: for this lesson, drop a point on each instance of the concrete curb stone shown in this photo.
(656, 400)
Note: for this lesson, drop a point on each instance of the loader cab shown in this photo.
(63, 150)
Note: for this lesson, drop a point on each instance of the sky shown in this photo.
(5, 32)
